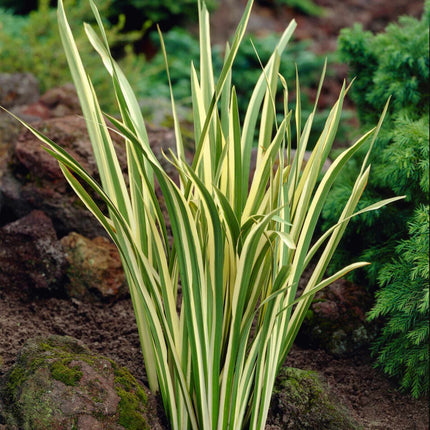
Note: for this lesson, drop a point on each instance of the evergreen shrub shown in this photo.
(394, 63)
(403, 350)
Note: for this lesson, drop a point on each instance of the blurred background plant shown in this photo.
(31, 43)
(160, 11)
(246, 70)
(306, 6)
(395, 238)
(27, 39)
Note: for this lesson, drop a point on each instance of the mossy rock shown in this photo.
(57, 383)
(302, 401)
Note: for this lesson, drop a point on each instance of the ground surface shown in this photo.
(110, 329)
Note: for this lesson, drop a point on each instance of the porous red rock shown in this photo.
(31, 258)
(34, 179)
(95, 271)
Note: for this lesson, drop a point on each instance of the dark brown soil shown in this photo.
(109, 329)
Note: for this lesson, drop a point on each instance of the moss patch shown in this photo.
(62, 371)
(300, 400)
(132, 406)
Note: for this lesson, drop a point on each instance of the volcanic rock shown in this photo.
(31, 258)
(18, 89)
(57, 383)
(95, 269)
(34, 179)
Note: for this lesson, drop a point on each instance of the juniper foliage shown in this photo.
(402, 348)
(394, 63)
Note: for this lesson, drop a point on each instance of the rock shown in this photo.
(68, 132)
(336, 320)
(55, 103)
(62, 101)
(31, 258)
(33, 179)
(9, 131)
(302, 401)
(95, 269)
(18, 89)
(57, 383)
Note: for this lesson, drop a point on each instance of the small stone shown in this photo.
(95, 269)
(31, 258)
(336, 320)
(62, 101)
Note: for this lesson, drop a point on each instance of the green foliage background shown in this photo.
(161, 11)
(394, 63)
(32, 44)
(404, 301)
(306, 6)
(246, 70)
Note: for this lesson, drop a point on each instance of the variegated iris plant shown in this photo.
(241, 242)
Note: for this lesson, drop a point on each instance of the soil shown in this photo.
(109, 328)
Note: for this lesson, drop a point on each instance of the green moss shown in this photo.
(65, 344)
(39, 410)
(17, 396)
(69, 375)
(133, 400)
(301, 399)
(130, 414)
(16, 378)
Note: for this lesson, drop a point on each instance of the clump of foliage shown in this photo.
(32, 44)
(252, 53)
(394, 63)
(403, 347)
(241, 240)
